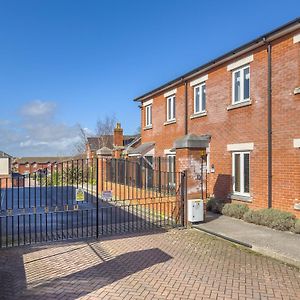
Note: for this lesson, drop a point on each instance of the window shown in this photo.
(148, 164)
(200, 98)
(241, 173)
(241, 85)
(148, 118)
(171, 168)
(171, 108)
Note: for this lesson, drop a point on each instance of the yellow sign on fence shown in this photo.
(202, 152)
(80, 194)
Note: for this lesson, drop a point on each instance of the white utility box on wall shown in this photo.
(195, 210)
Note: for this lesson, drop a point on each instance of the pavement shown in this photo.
(278, 244)
(175, 264)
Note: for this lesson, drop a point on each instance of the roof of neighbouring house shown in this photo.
(41, 159)
(265, 38)
(97, 142)
(4, 155)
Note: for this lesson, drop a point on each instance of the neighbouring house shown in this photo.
(5, 164)
(5, 169)
(28, 165)
(114, 145)
(241, 113)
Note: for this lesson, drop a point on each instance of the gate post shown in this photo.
(159, 175)
(183, 197)
(97, 198)
(190, 150)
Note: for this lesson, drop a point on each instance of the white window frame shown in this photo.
(172, 108)
(200, 86)
(241, 70)
(172, 177)
(242, 179)
(148, 115)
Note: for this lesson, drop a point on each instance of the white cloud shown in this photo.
(38, 108)
(37, 133)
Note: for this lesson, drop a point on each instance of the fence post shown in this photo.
(183, 197)
(159, 175)
(97, 198)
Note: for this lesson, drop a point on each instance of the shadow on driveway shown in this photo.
(68, 270)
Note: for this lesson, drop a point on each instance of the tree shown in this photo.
(80, 145)
(105, 129)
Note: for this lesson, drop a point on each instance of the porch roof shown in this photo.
(192, 141)
(104, 151)
(142, 149)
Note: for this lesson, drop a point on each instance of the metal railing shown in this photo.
(44, 205)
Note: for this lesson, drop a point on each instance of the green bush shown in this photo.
(277, 219)
(214, 205)
(235, 210)
(297, 226)
(252, 216)
(272, 218)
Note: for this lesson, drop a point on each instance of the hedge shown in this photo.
(235, 210)
(272, 218)
(297, 226)
(215, 205)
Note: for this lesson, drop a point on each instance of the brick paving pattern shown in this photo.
(178, 264)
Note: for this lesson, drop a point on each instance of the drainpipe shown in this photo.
(269, 125)
(186, 108)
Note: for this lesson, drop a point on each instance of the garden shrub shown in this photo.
(235, 210)
(215, 205)
(252, 216)
(277, 219)
(272, 218)
(297, 226)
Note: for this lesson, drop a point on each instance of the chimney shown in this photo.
(118, 136)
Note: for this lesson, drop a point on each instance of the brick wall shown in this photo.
(243, 125)
(286, 124)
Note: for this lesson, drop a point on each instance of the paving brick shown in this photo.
(178, 264)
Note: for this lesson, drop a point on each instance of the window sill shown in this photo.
(198, 115)
(297, 90)
(240, 198)
(148, 127)
(170, 122)
(238, 105)
(297, 206)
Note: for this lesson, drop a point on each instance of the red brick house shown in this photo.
(115, 144)
(243, 109)
(28, 165)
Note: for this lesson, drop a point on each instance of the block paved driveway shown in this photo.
(178, 264)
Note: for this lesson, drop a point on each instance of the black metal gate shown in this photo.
(87, 198)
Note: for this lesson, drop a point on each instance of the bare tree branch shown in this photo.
(80, 146)
(104, 130)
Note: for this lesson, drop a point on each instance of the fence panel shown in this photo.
(70, 200)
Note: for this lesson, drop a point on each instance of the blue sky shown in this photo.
(69, 62)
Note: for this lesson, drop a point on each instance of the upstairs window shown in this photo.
(200, 98)
(171, 108)
(148, 116)
(241, 85)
